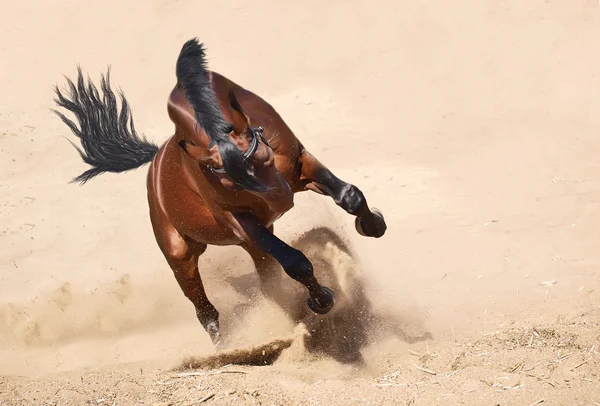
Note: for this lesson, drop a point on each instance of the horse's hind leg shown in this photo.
(182, 255)
(317, 177)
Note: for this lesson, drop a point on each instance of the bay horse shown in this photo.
(228, 172)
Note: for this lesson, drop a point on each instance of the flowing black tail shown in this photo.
(108, 137)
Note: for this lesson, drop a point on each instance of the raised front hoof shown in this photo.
(373, 226)
(323, 304)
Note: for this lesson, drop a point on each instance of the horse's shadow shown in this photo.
(353, 323)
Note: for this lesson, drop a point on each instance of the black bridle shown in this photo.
(257, 135)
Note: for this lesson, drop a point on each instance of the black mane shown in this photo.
(193, 75)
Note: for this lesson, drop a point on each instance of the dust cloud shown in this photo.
(341, 335)
(124, 307)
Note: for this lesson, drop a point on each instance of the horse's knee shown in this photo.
(352, 200)
(177, 250)
(181, 253)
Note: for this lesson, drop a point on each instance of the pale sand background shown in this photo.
(473, 125)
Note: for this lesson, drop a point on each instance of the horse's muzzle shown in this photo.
(279, 197)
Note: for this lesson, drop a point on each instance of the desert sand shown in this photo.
(474, 126)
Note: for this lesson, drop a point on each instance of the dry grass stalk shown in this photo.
(580, 364)
(537, 402)
(226, 371)
(204, 399)
(564, 357)
(429, 371)
(516, 367)
(532, 368)
(187, 374)
(505, 387)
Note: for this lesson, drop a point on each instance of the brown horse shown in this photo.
(227, 174)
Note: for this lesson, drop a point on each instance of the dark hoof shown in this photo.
(374, 226)
(323, 304)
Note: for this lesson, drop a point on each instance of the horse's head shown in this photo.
(234, 153)
(220, 134)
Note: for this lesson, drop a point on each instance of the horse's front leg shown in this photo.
(317, 177)
(293, 261)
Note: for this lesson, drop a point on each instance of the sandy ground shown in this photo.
(473, 125)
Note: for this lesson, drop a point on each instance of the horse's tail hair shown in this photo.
(193, 76)
(108, 137)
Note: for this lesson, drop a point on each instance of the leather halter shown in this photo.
(257, 135)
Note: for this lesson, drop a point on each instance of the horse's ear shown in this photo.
(240, 121)
(209, 156)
